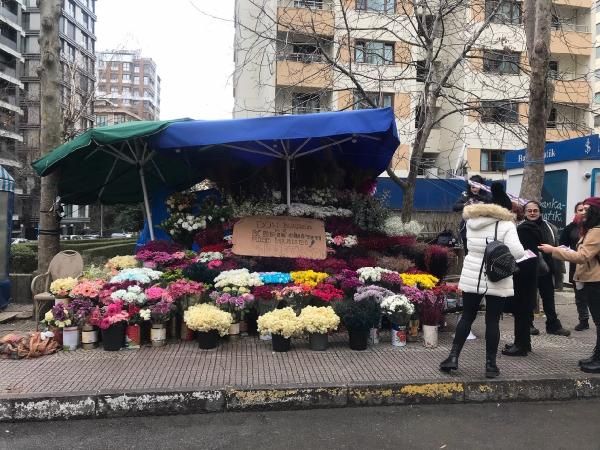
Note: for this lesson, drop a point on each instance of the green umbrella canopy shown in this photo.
(103, 165)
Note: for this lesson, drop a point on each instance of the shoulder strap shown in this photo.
(496, 231)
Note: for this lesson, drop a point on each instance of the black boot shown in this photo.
(582, 325)
(515, 350)
(591, 365)
(491, 369)
(451, 362)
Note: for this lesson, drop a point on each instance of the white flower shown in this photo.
(145, 314)
(238, 277)
(372, 274)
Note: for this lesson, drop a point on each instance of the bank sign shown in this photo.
(586, 147)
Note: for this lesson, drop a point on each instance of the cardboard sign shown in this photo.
(283, 237)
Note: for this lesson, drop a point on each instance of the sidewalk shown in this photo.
(245, 374)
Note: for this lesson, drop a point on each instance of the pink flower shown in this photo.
(155, 293)
(214, 264)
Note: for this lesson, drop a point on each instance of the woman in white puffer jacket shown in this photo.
(481, 223)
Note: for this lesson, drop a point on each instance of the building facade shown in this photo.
(78, 61)
(130, 82)
(306, 56)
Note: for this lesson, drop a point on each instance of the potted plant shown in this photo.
(317, 322)
(282, 324)
(398, 309)
(112, 320)
(376, 294)
(137, 317)
(234, 300)
(209, 322)
(80, 310)
(184, 293)
(431, 310)
(61, 288)
(160, 313)
(358, 318)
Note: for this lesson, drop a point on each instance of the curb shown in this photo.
(110, 404)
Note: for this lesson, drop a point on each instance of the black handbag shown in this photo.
(542, 267)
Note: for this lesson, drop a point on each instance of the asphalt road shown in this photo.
(549, 425)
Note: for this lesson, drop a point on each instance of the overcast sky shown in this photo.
(193, 51)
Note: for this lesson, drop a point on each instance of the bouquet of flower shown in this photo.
(339, 240)
(423, 280)
(61, 287)
(59, 316)
(131, 295)
(371, 274)
(319, 320)
(181, 202)
(117, 263)
(206, 257)
(283, 322)
(431, 308)
(358, 316)
(232, 303)
(165, 260)
(95, 273)
(265, 298)
(398, 308)
(327, 292)
(391, 281)
(137, 315)
(182, 227)
(215, 213)
(415, 295)
(160, 312)
(238, 278)
(109, 315)
(372, 292)
(275, 277)
(296, 296)
(182, 288)
(308, 278)
(157, 294)
(81, 309)
(87, 289)
(207, 317)
(137, 275)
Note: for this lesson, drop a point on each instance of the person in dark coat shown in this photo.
(525, 290)
(570, 237)
(471, 196)
(545, 279)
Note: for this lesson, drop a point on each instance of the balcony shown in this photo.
(559, 131)
(303, 110)
(305, 20)
(301, 57)
(8, 42)
(308, 75)
(587, 4)
(574, 91)
(4, 11)
(571, 39)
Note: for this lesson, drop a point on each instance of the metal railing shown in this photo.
(303, 110)
(301, 57)
(8, 14)
(564, 26)
(313, 4)
(8, 71)
(6, 41)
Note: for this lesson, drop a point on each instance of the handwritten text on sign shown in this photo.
(284, 237)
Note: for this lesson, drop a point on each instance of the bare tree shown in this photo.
(51, 126)
(443, 62)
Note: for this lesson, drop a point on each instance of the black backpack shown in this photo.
(498, 261)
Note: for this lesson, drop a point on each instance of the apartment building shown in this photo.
(308, 58)
(11, 113)
(130, 82)
(77, 35)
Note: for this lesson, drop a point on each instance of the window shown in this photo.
(373, 52)
(126, 78)
(136, 69)
(508, 13)
(551, 119)
(126, 101)
(146, 80)
(71, 30)
(385, 6)
(499, 111)
(422, 71)
(71, 53)
(597, 121)
(597, 97)
(425, 25)
(114, 90)
(381, 99)
(318, 4)
(492, 160)
(306, 103)
(71, 8)
(597, 52)
(85, 20)
(126, 67)
(136, 80)
(84, 83)
(126, 91)
(499, 62)
(101, 121)
(553, 69)
(305, 53)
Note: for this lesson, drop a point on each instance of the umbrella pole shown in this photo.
(146, 203)
(287, 181)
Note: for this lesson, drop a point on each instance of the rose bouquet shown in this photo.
(61, 287)
(184, 288)
(398, 308)
(283, 322)
(157, 294)
(87, 289)
(296, 296)
(324, 292)
(109, 315)
(318, 320)
(206, 318)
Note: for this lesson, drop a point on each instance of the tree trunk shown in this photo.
(537, 31)
(51, 126)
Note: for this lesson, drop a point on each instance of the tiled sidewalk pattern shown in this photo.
(249, 362)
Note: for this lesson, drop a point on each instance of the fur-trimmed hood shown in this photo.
(483, 214)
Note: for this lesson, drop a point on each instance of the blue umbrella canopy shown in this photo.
(364, 139)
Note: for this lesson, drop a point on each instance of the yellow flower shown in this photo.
(207, 317)
(422, 280)
(280, 321)
(308, 277)
(62, 286)
(122, 262)
(48, 317)
(315, 319)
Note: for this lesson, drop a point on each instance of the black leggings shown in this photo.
(493, 310)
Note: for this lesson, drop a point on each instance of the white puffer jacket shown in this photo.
(481, 222)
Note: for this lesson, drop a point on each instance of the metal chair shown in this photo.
(67, 263)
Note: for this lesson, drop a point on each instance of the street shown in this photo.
(547, 425)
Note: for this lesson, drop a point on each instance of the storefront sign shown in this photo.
(283, 237)
(554, 197)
